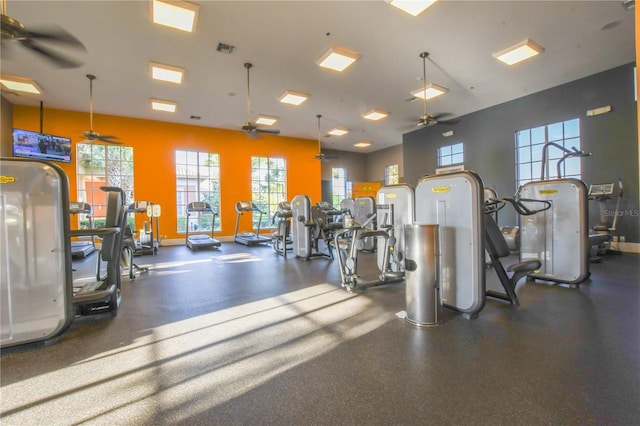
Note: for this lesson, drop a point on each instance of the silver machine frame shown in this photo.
(363, 208)
(149, 241)
(200, 240)
(559, 236)
(38, 300)
(307, 230)
(394, 209)
(454, 202)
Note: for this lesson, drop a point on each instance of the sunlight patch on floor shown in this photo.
(186, 367)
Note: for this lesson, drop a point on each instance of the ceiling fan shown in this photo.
(321, 155)
(427, 119)
(91, 135)
(250, 128)
(12, 29)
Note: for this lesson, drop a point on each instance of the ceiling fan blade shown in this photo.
(56, 35)
(268, 131)
(57, 59)
(109, 139)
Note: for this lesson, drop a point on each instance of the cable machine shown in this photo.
(148, 239)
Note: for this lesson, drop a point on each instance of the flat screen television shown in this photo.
(42, 146)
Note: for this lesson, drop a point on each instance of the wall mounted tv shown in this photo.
(41, 146)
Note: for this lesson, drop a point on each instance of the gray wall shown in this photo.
(378, 160)
(488, 138)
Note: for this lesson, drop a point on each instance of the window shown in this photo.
(451, 154)
(268, 186)
(102, 165)
(391, 174)
(338, 185)
(529, 145)
(197, 179)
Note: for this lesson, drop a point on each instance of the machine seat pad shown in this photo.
(526, 266)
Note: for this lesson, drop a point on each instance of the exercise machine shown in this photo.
(249, 238)
(558, 236)
(148, 239)
(201, 240)
(395, 206)
(602, 233)
(82, 248)
(37, 300)
(281, 238)
(395, 209)
(497, 247)
(454, 201)
(363, 208)
(348, 204)
(308, 231)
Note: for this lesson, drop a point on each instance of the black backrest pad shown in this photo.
(495, 238)
(113, 219)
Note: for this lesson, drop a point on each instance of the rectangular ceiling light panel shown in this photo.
(168, 73)
(412, 7)
(338, 58)
(375, 115)
(433, 90)
(165, 106)
(266, 120)
(177, 14)
(293, 98)
(338, 131)
(362, 144)
(20, 84)
(519, 52)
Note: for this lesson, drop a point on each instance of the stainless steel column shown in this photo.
(422, 264)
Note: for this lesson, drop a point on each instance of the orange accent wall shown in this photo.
(365, 189)
(154, 144)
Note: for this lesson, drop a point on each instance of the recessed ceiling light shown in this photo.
(412, 7)
(338, 131)
(293, 98)
(362, 144)
(338, 58)
(165, 106)
(20, 84)
(266, 120)
(166, 73)
(177, 14)
(375, 115)
(519, 52)
(433, 90)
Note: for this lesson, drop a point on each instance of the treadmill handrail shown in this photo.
(94, 231)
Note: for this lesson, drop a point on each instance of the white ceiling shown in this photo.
(283, 41)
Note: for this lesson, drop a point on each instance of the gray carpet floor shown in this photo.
(241, 336)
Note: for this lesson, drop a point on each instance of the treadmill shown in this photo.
(201, 241)
(82, 248)
(249, 238)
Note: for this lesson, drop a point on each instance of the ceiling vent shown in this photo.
(225, 48)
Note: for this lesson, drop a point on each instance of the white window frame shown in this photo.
(197, 179)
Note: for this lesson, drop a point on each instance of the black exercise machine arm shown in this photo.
(495, 204)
